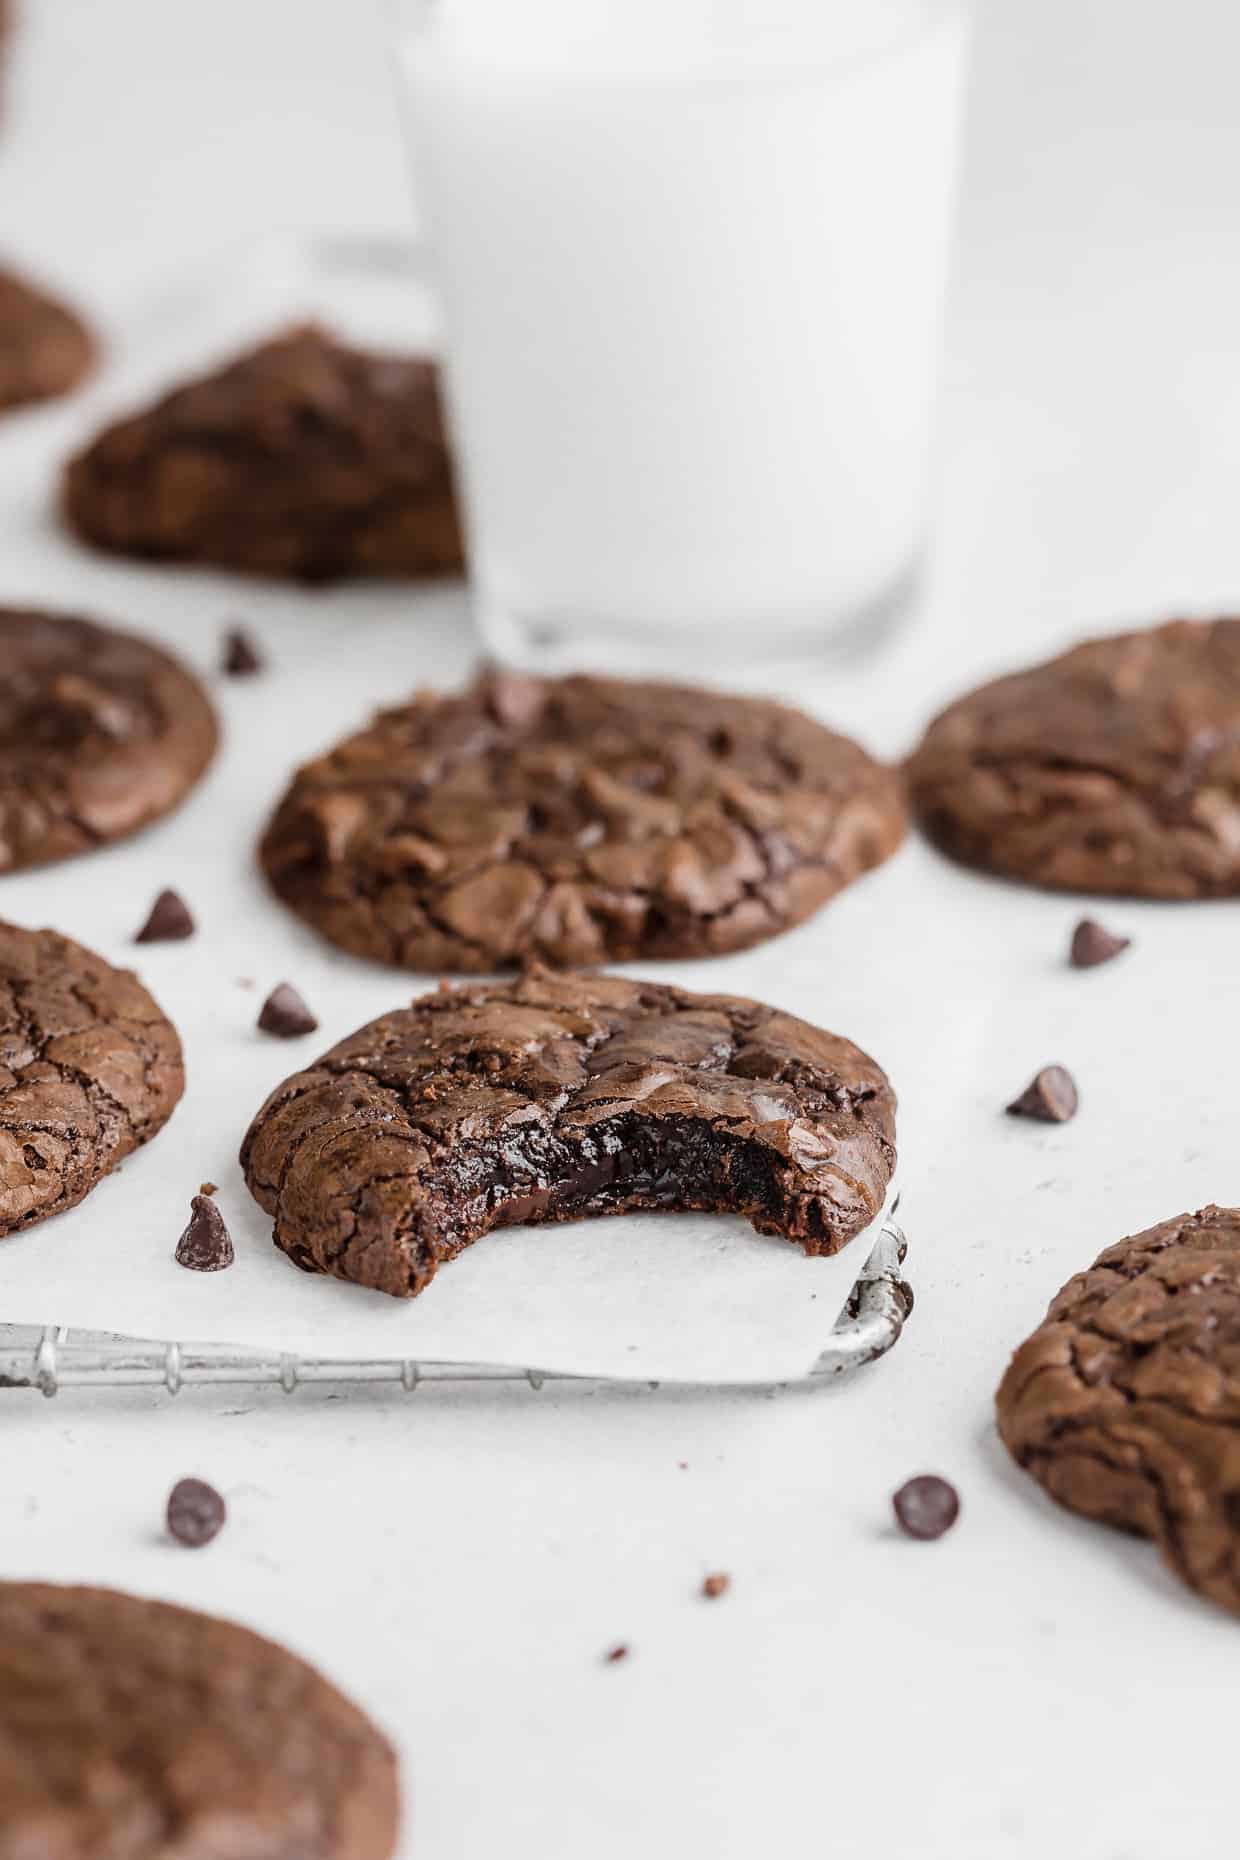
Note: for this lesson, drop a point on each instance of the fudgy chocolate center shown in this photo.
(627, 1164)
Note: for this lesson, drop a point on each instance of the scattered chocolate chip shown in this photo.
(285, 1014)
(715, 1585)
(207, 1188)
(926, 1507)
(615, 1654)
(1092, 944)
(206, 1245)
(241, 657)
(169, 920)
(196, 1512)
(1051, 1097)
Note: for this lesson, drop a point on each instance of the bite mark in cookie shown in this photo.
(559, 1096)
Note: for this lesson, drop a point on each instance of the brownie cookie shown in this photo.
(303, 458)
(1125, 1403)
(100, 733)
(90, 1068)
(558, 1096)
(575, 820)
(45, 349)
(133, 1730)
(1113, 768)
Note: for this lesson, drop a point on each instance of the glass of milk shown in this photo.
(691, 258)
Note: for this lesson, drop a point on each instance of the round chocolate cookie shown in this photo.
(575, 820)
(90, 1068)
(100, 733)
(1113, 768)
(304, 458)
(1125, 1402)
(133, 1730)
(558, 1096)
(45, 349)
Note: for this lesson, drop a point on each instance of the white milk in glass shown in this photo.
(691, 259)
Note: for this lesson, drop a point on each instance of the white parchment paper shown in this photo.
(695, 1296)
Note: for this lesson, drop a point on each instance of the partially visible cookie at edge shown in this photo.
(576, 821)
(142, 1731)
(46, 349)
(90, 1069)
(1113, 768)
(304, 458)
(561, 1096)
(101, 733)
(1125, 1402)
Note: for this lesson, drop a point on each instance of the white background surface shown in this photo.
(1031, 1686)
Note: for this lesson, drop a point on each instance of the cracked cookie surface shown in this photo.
(90, 1068)
(560, 1096)
(1125, 1402)
(1113, 768)
(574, 821)
(100, 734)
(45, 348)
(134, 1730)
(303, 458)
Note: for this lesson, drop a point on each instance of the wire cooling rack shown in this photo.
(52, 1357)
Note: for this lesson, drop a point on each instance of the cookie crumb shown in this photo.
(208, 1188)
(169, 920)
(241, 658)
(926, 1507)
(715, 1585)
(616, 1654)
(196, 1513)
(206, 1245)
(1051, 1097)
(285, 1014)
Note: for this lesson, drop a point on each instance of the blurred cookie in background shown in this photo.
(45, 347)
(101, 733)
(304, 458)
(1113, 768)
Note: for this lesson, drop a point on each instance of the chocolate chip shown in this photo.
(196, 1512)
(1051, 1097)
(615, 1654)
(715, 1585)
(285, 1014)
(206, 1188)
(206, 1245)
(169, 920)
(1092, 944)
(926, 1507)
(241, 657)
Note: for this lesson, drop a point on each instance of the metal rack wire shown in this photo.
(51, 1358)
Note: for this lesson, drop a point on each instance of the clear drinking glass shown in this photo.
(691, 258)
